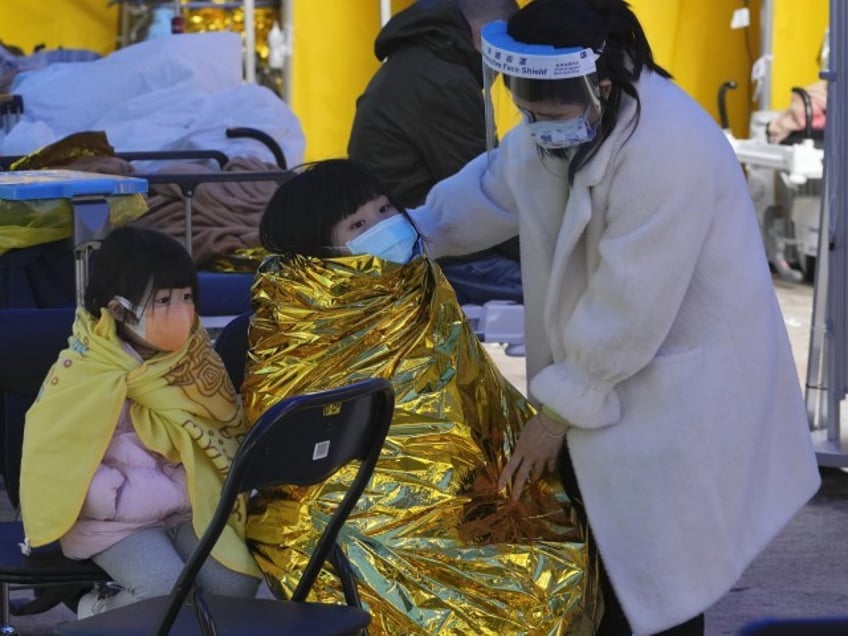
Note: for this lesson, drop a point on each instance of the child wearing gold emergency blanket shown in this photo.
(435, 546)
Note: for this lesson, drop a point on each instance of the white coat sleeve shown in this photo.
(658, 214)
(469, 211)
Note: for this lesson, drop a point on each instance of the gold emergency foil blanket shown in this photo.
(435, 547)
(242, 259)
(227, 18)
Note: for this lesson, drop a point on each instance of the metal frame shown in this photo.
(827, 369)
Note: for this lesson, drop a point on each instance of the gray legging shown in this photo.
(148, 562)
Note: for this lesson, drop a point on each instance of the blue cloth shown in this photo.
(30, 340)
(490, 276)
(39, 276)
(223, 293)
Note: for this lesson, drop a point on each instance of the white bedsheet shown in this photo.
(171, 93)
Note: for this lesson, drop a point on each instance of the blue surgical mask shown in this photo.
(393, 239)
(556, 134)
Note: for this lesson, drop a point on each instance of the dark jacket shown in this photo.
(421, 117)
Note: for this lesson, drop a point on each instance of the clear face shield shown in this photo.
(556, 90)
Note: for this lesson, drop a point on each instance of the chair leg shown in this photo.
(345, 574)
(6, 629)
(348, 579)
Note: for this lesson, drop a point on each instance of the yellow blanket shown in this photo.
(435, 546)
(183, 407)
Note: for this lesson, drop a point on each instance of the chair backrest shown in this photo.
(300, 440)
(223, 293)
(231, 345)
(30, 341)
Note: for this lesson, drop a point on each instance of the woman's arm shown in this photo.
(469, 211)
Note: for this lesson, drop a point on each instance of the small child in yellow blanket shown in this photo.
(131, 436)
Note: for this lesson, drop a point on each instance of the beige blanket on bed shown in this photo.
(225, 216)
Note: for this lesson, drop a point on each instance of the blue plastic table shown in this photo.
(87, 192)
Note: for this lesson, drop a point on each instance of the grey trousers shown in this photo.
(148, 562)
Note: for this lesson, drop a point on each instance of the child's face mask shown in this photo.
(165, 322)
(392, 239)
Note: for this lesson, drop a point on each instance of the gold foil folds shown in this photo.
(226, 18)
(436, 548)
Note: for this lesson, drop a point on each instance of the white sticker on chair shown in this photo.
(321, 450)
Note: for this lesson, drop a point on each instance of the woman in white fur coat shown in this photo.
(655, 344)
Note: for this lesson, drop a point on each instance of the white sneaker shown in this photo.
(95, 601)
(85, 607)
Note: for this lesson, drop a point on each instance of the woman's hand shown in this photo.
(537, 449)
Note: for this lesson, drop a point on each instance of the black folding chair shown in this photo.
(31, 340)
(231, 344)
(301, 440)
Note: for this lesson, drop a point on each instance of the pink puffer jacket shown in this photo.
(133, 488)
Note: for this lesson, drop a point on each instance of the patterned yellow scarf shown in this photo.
(183, 407)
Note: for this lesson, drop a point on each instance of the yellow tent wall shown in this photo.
(693, 40)
(798, 32)
(332, 61)
(81, 24)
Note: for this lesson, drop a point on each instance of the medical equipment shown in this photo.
(498, 321)
(785, 181)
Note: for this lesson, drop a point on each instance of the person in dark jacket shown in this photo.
(421, 118)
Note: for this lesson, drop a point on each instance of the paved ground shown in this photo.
(804, 572)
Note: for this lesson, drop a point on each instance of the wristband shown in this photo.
(547, 432)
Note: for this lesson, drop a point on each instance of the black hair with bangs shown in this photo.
(300, 217)
(132, 262)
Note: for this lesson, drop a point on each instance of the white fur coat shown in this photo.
(653, 327)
